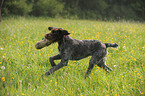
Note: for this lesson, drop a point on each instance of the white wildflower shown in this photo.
(3, 67)
(2, 48)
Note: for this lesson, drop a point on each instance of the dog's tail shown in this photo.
(111, 45)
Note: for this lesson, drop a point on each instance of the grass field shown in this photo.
(21, 64)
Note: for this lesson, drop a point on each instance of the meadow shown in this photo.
(21, 64)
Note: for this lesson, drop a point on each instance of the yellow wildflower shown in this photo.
(12, 78)
(98, 67)
(23, 94)
(3, 79)
(55, 89)
(141, 93)
(75, 61)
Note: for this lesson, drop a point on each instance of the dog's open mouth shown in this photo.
(43, 43)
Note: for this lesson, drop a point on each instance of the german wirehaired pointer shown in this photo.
(72, 49)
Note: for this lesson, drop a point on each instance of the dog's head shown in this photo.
(55, 35)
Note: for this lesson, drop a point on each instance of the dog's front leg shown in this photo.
(63, 63)
(51, 59)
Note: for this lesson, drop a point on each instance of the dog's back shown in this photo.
(80, 48)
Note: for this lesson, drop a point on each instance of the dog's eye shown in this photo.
(43, 38)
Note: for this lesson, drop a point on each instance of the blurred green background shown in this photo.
(77, 9)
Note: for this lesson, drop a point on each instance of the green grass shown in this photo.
(21, 65)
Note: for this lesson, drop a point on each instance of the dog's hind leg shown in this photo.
(91, 66)
(108, 68)
(96, 58)
(103, 65)
(51, 59)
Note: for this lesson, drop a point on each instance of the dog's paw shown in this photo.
(47, 73)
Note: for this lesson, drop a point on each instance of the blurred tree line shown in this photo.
(78, 9)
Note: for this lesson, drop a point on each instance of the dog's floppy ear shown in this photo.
(50, 28)
(65, 32)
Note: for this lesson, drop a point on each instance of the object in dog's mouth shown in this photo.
(42, 38)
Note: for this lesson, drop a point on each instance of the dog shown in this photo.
(72, 49)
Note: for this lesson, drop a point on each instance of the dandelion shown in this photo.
(115, 94)
(75, 61)
(23, 94)
(141, 93)
(12, 78)
(81, 95)
(55, 89)
(98, 68)
(51, 50)
(50, 80)
(122, 76)
(115, 48)
(135, 60)
(0, 62)
(3, 79)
